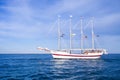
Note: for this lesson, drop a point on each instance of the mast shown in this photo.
(93, 43)
(81, 34)
(59, 33)
(70, 32)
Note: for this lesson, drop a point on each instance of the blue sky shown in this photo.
(27, 24)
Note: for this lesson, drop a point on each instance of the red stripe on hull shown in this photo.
(72, 55)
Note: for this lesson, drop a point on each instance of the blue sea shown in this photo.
(44, 67)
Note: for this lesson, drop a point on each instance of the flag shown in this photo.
(73, 34)
(97, 36)
(85, 36)
(62, 35)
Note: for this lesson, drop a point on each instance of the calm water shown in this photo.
(43, 67)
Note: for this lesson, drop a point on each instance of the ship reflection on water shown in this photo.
(74, 69)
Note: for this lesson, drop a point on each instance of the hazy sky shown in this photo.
(27, 24)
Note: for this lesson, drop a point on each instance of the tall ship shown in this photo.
(70, 53)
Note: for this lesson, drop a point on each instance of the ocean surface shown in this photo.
(44, 67)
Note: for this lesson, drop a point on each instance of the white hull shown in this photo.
(74, 57)
(87, 54)
(65, 55)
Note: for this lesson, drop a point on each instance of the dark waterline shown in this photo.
(44, 67)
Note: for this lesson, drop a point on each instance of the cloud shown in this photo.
(32, 19)
(108, 24)
(109, 19)
(21, 23)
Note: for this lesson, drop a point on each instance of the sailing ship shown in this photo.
(90, 53)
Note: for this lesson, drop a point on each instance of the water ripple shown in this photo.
(39, 67)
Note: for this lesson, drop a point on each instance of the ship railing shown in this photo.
(86, 50)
